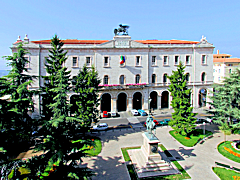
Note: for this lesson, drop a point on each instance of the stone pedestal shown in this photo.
(150, 147)
(148, 162)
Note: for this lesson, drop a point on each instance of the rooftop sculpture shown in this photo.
(122, 29)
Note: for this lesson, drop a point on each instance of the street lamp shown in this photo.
(149, 104)
(204, 129)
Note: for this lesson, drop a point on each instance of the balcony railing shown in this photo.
(142, 85)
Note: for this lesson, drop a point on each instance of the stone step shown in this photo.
(157, 165)
(156, 162)
(156, 173)
(156, 169)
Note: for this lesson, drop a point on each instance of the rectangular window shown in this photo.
(165, 60)
(88, 61)
(230, 65)
(74, 62)
(219, 71)
(176, 62)
(27, 65)
(138, 59)
(153, 60)
(106, 61)
(187, 60)
(204, 59)
(230, 70)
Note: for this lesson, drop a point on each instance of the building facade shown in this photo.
(133, 73)
(223, 65)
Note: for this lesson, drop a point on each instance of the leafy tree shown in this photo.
(86, 86)
(53, 63)
(226, 102)
(183, 120)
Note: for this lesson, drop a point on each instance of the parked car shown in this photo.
(105, 114)
(134, 112)
(113, 114)
(155, 121)
(142, 112)
(101, 126)
(164, 122)
(209, 120)
(201, 120)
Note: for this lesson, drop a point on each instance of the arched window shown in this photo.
(187, 77)
(164, 78)
(153, 78)
(105, 79)
(137, 79)
(121, 79)
(203, 77)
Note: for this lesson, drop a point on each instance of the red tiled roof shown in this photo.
(72, 41)
(75, 41)
(166, 42)
(228, 60)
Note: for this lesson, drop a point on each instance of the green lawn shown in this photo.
(194, 137)
(227, 154)
(133, 175)
(225, 174)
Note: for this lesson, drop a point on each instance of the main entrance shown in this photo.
(106, 102)
(165, 99)
(202, 97)
(153, 103)
(137, 100)
(122, 102)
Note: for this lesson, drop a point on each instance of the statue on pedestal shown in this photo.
(150, 126)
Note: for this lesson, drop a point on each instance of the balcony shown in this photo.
(122, 86)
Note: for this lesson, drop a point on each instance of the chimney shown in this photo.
(26, 40)
(18, 39)
(217, 51)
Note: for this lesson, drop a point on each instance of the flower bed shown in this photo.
(226, 149)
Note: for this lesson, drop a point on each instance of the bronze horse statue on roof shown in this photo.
(122, 29)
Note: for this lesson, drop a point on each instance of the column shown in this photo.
(114, 104)
(159, 102)
(129, 103)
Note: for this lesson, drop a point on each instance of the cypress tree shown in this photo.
(183, 120)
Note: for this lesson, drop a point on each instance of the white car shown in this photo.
(134, 112)
(113, 114)
(101, 126)
(209, 120)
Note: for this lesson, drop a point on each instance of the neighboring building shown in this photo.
(223, 66)
(133, 72)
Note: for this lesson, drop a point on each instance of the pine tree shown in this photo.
(53, 63)
(86, 87)
(15, 123)
(183, 120)
(226, 102)
(62, 146)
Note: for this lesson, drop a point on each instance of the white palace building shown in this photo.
(132, 72)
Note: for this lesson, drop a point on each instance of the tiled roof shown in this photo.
(166, 42)
(220, 55)
(72, 41)
(75, 41)
(228, 60)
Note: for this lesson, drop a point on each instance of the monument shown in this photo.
(149, 160)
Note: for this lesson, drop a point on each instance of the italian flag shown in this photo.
(122, 59)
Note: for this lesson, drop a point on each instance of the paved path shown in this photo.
(198, 160)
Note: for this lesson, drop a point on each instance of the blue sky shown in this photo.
(218, 20)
